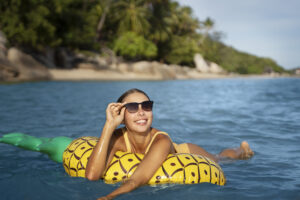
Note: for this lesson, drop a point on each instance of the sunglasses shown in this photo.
(134, 107)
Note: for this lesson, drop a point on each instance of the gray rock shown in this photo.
(28, 67)
(102, 62)
(122, 67)
(48, 58)
(143, 67)
(154, 69)
(92, 62)
(87, 66)
(207, 66)
(200, 63)
(8, 72)
(2, 45)
(297, 71)
(167, 72)
(180, 70)
(63, 59)
(215, 68)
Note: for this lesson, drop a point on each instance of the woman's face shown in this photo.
(141, 120)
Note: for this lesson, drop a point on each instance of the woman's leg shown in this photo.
(242, 152)
(195, 149)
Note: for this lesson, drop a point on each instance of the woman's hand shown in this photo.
(104, 198)
(157, 154)
(105, 148)
(115, 113)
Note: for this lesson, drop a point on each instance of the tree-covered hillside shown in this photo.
(159, 30)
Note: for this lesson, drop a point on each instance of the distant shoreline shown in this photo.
(18, 66)
(109, 75)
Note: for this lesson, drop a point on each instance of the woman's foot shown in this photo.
(245, 151)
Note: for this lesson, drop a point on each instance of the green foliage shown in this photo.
(40, 23)
(76, 22)
(136, 29)
(182, 50)
(26, 23)
(132, 15)
(233, 60)
(160, 20)
(132, 46)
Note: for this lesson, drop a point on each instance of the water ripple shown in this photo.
(214, 114)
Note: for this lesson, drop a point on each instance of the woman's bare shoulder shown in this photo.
(118, 139)
(165, 138)
(158, 134)
(155, 130)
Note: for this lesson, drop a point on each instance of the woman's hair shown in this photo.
(131, 91)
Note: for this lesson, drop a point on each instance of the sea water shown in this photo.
(214, 114)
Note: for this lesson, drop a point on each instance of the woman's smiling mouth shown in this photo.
(141, 122)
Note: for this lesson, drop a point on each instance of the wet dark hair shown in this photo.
(131, 91)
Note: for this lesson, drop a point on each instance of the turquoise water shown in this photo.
(214, 114)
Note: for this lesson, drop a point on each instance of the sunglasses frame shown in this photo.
(136, 109)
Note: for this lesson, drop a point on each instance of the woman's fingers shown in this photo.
(115, 113)
(116, 108)
(122, 111)
(113, 106)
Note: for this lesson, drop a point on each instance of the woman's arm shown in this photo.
(157, 154)
(97, 162)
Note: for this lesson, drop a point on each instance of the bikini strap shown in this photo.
(157, 133)
(127, 143)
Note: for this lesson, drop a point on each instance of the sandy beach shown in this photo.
(90, 74)
(110, 75)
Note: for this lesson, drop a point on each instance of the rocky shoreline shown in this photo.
(109, 75)
(16, 66)
(63, 65)
(91, 75)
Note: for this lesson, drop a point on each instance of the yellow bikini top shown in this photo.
(128, 145)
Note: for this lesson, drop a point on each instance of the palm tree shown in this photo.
(161, 20)
(132, 15)
(105, 5)
(187, 24)
(207, 25)
(168, 22)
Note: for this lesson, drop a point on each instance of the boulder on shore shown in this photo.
(200, 63)
(154, 68)
(206, 66)
(215, 68)
(27, 67)
(8, 72)
(19, 66)
(2, 45)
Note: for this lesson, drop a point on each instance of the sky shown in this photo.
(266, 28)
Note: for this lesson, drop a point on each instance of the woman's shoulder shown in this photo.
(118, 138)
(162, 138)
(158, 135)
(159, 132)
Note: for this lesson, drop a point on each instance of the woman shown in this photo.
(134, 109)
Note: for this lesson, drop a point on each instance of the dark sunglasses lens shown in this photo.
(132, 107)
(147, 105)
